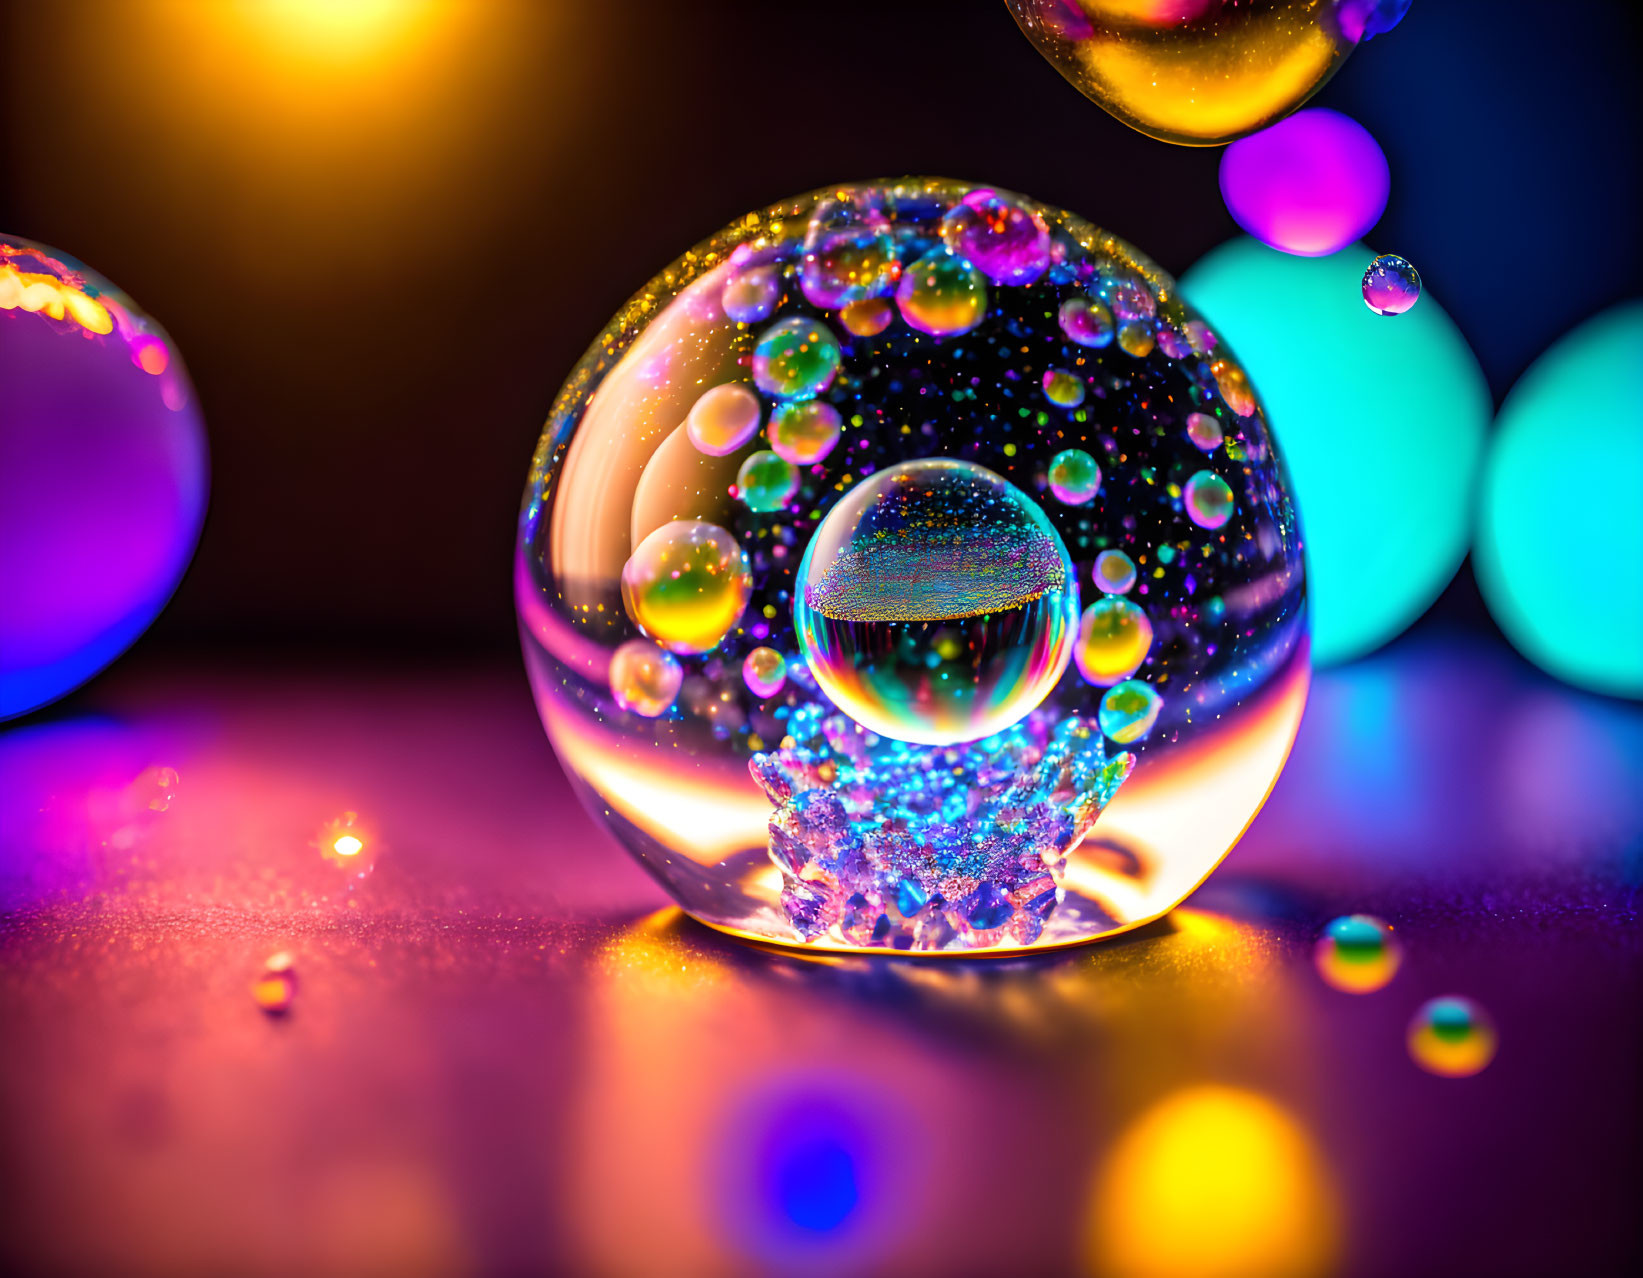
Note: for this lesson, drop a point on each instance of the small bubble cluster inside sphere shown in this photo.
(877, 543)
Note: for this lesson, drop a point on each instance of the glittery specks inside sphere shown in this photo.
(974, 556)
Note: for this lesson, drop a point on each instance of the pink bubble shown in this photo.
(1310, 185)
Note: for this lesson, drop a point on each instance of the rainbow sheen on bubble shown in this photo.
(1074, 476)
(1114, 638)
(942, 295)
(764, 672)
(936, 603)
(1204, 431)
(1198, 72)
(1391, 285)
(1129, 710)
(795, 358)
(644, 678)
(1357, 954)
(939, 450)
(1208, 499)
(766, 481)
(1114, 572)
(1452, 1037)
(805, 432)
(724, 419)
(686, 585)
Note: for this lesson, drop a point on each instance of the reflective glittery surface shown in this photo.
(937, 495)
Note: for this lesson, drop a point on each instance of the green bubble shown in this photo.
(796, 358)
(766, 481)
(1129, 710)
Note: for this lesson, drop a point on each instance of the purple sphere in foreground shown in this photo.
(102, 473)
(1309, 185)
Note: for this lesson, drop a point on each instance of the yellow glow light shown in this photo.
(1214, 1182)
(347, 845)
(334, 27)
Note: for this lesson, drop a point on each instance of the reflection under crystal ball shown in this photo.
(1199, 72)
(936, 603)
(974, 556)
(102, 473)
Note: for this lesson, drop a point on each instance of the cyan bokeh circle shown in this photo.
(1382, 420)
(1560, 511)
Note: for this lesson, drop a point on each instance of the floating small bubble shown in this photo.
(1085, 321)
(751, 294)
(1114, 637)
(1006, 242)
(1127, 294)
(766, 481)
(687, 584)
(942, 295)
(644, 678)
(804, 432)
(1208, 500)
(846, 259)
(1114, 572)
(1357, 953)
(796, 358)
(1204, 431)
(1074, 476)
(1063, 389)
(723, 419)
(1129, 710)
(1452, 1037)
(276, 988)
(936, 603)
(764, 672)
(1135, 337)
(1391, 285)
(867, 318)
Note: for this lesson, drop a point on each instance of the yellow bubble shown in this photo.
(644, 678)
(276, 988)
(1234, 386)
(942, 295)
(723, 419)
(1114, 638)
(1136, 338)
(1197, 72)
(805, 432)
(686, 585)
(867, 318)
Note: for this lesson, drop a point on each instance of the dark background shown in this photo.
(381, 249)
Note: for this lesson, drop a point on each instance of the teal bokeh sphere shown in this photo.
(1559, 551)
(1382, 421)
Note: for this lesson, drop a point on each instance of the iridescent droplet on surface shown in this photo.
(723, 419)
(1233, 383)
(796, 358)
(1357, 954)
(764, 671)
(936, 603)
(644, 678)
(1452, 1037)
(275, 988)
(1114, 572)
(1208, 499)
(1391, 285)
(766, 481)
(868, 318)
(1074, 476)
(1135, 337)
(1114, 637)
(847, 258)
(1129, 710)
(804, 432)
(686, 585)
(1086, 321)
(942, 295)
(1204, 431)
(751, 294)
(1000, 237)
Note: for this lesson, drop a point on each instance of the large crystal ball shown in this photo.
(906, 567)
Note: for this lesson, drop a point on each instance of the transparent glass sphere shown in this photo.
(907, 568)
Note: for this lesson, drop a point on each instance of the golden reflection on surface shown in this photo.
(1213, 1182)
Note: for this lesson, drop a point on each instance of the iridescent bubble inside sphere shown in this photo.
(1391, 285)
(908, 568)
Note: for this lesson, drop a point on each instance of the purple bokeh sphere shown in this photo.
(103, 473)
(1309, 185)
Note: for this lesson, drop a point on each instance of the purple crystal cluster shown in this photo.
(911, 847)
